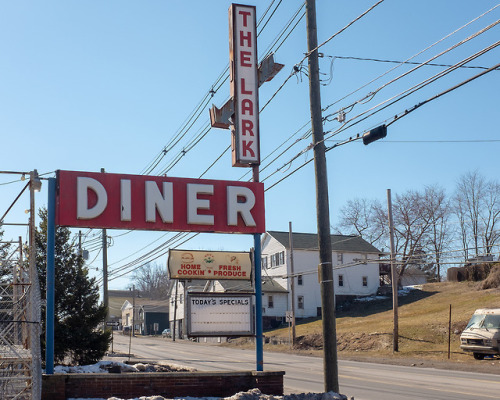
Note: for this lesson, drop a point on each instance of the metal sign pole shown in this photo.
(258, 305)
(50, 295)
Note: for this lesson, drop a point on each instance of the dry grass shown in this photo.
(423, 325)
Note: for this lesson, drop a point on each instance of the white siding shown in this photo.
(306, 263)
(279, 307)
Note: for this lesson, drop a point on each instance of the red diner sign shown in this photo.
(102, 200)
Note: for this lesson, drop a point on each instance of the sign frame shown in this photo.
(209, 265)
(250, 331)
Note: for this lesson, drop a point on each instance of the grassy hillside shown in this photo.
(366, 328)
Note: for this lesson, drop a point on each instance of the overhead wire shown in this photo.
(266, 105)
(414, 56)
(358, 136)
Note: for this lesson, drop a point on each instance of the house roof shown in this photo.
(147, 304)
(309, 241)
(269, 285)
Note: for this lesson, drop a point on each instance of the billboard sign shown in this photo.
(220, 265)
(219, 314)
(244, 80)
(102, 200)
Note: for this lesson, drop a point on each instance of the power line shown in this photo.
(412, 57)
(404, 62)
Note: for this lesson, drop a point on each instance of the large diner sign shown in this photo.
(102, 200)
(244, 85)
(197, 264)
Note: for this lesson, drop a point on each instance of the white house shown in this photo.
(355, 267)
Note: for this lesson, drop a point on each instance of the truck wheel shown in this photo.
(479, 356)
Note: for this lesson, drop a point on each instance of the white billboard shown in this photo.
(220, 314)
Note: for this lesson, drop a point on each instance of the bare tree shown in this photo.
(439, 235)
(152, 279)
(490, 217)
(365, 218)
(411, 226)
(470, 193)
(477, 207)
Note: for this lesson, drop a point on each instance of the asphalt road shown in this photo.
(363, 381)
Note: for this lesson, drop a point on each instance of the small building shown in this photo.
(116, 298)
(153, 318)
(150, 316)
(412, 277)
(177, 300)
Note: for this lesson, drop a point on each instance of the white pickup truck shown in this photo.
(481, 336)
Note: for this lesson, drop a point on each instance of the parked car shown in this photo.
(166, 333)
(482, 335)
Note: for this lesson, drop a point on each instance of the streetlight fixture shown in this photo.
(35, 182)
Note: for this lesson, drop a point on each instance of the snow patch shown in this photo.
(98, 368)
(253, 394)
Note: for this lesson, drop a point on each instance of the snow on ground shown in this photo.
(401, 292)
(100, 367)
(253, 394)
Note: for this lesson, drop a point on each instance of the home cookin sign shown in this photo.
(102, 200)
(191, 264)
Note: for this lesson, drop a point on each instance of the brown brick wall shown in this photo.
(166, 384)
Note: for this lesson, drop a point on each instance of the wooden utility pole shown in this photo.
(175, 310)
(394, 275)
(322, 206)
(133, 310)
(292, 282)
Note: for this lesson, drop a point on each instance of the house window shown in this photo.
(300, 302)
(365, 281)
(270, 302)
(277, 259)
(340, 258)
(281, 258)
(341, 280)
(263, 261)
(299, 280)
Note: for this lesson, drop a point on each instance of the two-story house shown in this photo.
(355, 267)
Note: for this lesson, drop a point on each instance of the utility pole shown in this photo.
(175, 310)
(394, 274)
(133, 310)
(80, 243)
(105, 271)
(292, 282)
(331, 379)
(17, 281)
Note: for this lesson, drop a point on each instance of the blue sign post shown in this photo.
(50, 295)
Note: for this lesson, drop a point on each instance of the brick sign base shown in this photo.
(166, 384)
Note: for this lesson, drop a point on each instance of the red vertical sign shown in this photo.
(244, 85)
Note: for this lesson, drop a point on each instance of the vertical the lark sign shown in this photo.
(244, 85)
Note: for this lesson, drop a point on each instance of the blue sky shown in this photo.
(91, 85)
